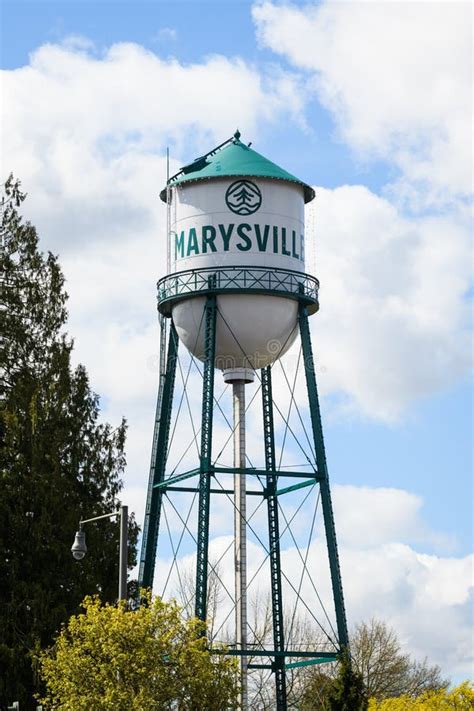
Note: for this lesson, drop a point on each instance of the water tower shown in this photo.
(237, 296)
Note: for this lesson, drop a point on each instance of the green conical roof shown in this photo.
(234, 159)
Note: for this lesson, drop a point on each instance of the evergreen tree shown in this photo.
(343, 692)
(58, 463)
(347, 691)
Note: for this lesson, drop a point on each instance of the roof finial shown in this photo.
(237, 135)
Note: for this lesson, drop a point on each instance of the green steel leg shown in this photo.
(274, 539)
(205, 465)
(324, 480)
(157, 465)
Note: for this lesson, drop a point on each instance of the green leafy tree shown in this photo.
(459, 699)
(58, 463)
(150, 659)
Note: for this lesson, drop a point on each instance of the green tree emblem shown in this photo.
(243, 197)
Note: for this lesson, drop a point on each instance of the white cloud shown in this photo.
(427, 599)
(395, 514)
(397, 78)
(394, 323)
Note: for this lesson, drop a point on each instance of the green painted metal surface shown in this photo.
(226, 492)
(295, 487)
(309, 662)
(273, 538)
(167, 483)
(262, 472)
(235, 159)
(321, 463)
(157, 466)
(235, 280)
(179, 477)
(260, 666)
(274, 653)
(205, 458)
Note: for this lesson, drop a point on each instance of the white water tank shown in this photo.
(237, 223)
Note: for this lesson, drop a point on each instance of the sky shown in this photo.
(369, 102)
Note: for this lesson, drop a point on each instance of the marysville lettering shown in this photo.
(243, 237)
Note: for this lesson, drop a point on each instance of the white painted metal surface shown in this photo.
(208, 231)
(251, 330)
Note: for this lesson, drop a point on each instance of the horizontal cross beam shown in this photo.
(260, 666)
(263, 472)
(179, 477)
(248, 471)
(191, 489)
(308, 662)
(327, 656)
(294, 487)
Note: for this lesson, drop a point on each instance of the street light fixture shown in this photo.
(79, 548)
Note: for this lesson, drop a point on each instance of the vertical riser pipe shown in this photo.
(240, 517)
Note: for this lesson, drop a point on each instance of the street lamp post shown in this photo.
(79, 548)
